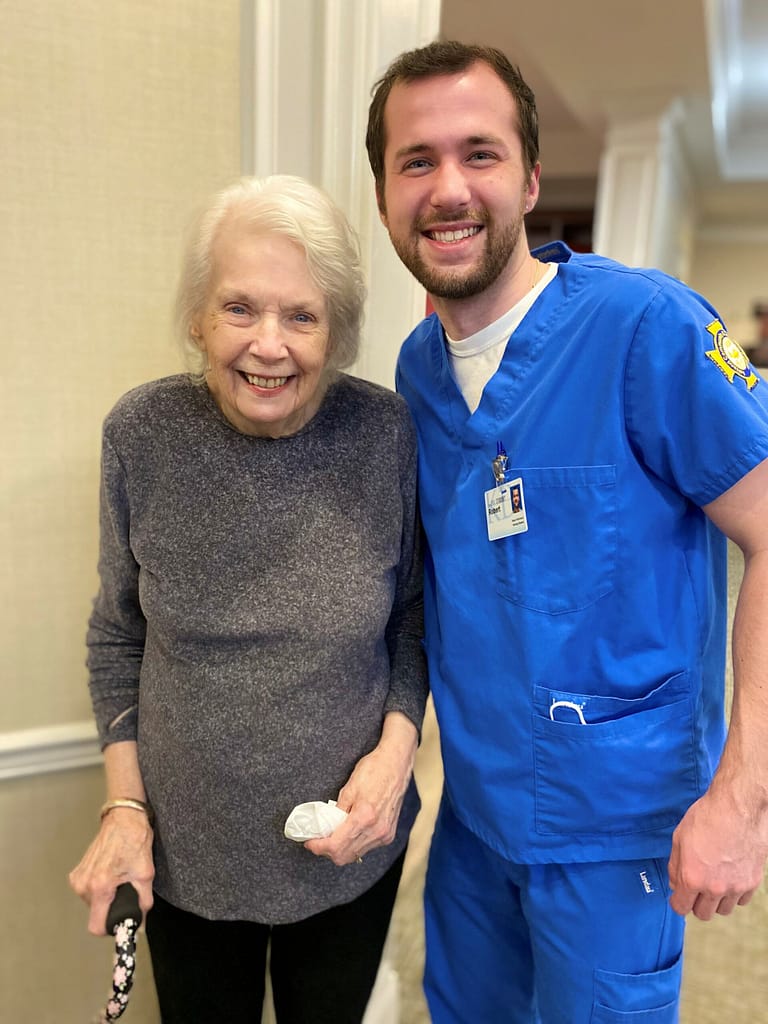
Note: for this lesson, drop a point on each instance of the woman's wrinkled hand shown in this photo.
(121, 852)
(373, 795)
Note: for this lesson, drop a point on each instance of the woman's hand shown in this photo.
(373, 795)
(121, 852)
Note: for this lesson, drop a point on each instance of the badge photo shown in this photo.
(505, 513)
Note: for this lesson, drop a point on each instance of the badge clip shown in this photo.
(505, 513)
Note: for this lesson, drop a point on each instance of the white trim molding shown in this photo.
(52, 748)
(737, 37)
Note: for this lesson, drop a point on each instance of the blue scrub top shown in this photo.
(624, 407)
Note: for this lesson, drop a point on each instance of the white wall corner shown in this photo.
(625, 197)
(674, 214)
(396, 302)
(645, 199)
(308, 68)
(259, 21)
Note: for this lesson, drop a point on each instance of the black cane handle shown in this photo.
(125, 905)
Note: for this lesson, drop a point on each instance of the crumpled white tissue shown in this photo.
(313, 820)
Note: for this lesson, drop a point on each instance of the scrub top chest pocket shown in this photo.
(566, 559)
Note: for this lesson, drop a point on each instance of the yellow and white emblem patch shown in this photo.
(730, 357)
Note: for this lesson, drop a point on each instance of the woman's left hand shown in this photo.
(373, 795)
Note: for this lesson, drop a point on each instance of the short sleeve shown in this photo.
(696, 409)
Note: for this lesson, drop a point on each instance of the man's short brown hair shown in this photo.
(449, 58)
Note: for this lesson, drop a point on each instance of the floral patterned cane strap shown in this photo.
(122, 973)
(123, 919)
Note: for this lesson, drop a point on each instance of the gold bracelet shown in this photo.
(134, 805)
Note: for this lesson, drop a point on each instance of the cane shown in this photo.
(123, 920)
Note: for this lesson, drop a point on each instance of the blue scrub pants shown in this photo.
(546, 943)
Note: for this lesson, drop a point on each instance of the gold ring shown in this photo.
(359, 860)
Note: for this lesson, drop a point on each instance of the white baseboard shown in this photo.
(52, 748)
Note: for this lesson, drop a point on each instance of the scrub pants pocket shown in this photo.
(652, 998)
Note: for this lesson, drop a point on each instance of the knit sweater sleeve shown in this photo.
(405, 630)
(117, 628)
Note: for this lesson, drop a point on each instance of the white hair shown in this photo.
(291, 207)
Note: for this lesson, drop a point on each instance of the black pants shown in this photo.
(322, 968)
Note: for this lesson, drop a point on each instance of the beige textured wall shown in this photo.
(732, 272)
(116, 120)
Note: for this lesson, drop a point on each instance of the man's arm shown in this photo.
(720, 847)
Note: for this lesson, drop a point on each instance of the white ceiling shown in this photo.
(595, 62)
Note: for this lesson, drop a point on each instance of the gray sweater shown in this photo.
(259, 613)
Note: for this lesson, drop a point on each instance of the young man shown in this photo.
(577, 650)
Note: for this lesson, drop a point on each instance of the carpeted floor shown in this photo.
(726, 969)
(407, 934)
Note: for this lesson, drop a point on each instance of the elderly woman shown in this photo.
(255, 642)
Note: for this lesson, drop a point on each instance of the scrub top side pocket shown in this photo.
(610, 766)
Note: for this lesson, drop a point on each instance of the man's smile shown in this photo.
(455, 235)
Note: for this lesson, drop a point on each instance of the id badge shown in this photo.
(505, 510)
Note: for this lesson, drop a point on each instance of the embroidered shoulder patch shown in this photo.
(730, 357)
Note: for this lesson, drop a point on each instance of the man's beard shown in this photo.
(445, 283)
